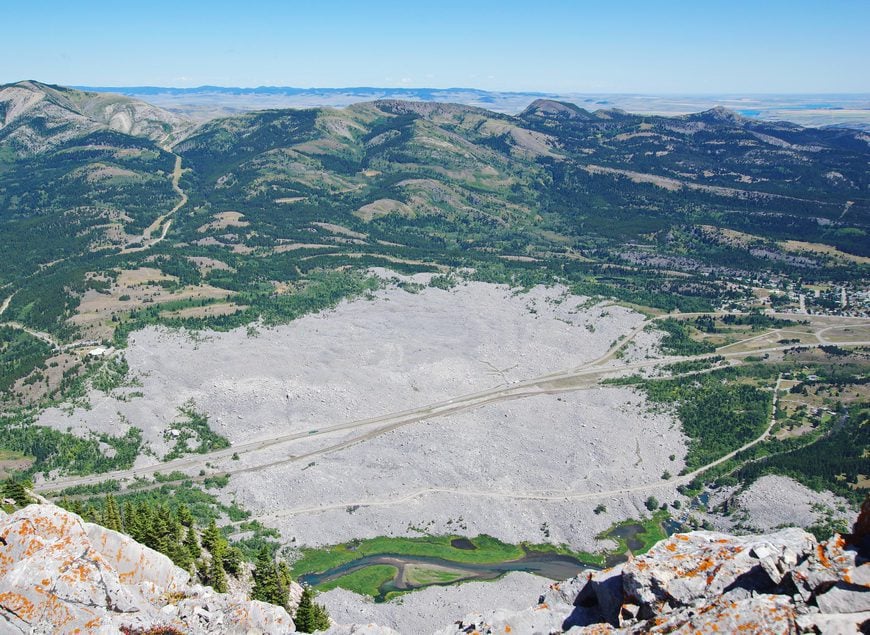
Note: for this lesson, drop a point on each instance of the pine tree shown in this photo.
(233, 558)
(191, 543)
(304, 617)
(179, 554)
(91, 515)
(184, 515)
(128, 517)
(217, 577)
(212, 538)
(16, 491)
(321, 617)
(267, 581)
(75, 506)
(156, 532)
(173, 524)
(284, 575)
(111, 515)
(140, 524)
(310, 616)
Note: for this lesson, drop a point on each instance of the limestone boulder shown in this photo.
(688, 569)
(59, 574)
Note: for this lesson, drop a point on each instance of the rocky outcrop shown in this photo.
(784, 582)
(59, 574)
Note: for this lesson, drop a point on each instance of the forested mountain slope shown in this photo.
(269, 214)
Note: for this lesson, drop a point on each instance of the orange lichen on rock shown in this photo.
(18, 604)
(55, 575)
(823, 557)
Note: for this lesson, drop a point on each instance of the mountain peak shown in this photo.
(718, 115)
(552, 109)
(35, 116)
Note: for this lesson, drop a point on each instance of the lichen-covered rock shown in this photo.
(605, 592)
(690, 568)
(59, 574)
(137, 565)
(770, 614)
(836, 624)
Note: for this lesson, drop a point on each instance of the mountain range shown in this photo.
(204, 102)
(417, 184)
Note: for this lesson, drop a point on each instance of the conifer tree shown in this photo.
(304, 617)
(184, 515)
(267, 581)
(156, 532)
(284, 575)
(233, 557)
(191, 543)
(128, 517)
(321, 617)
(111, 515)
(211, 537)
(16, 491)
(141, 525)
(310, 616)
(173, 525)
(217, 577)
(75, 506)
(91, 515)
(179, 554)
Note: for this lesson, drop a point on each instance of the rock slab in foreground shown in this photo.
(706, 582)
(59, 574)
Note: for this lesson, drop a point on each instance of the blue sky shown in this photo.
(702, 46)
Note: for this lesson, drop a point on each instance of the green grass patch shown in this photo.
(367, 581)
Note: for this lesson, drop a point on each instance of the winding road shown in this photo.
(164, 220)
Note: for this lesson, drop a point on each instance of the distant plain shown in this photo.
(208, 102)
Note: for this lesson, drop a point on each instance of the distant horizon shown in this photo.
(208, 101)
(547, 93)
(669, 47)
